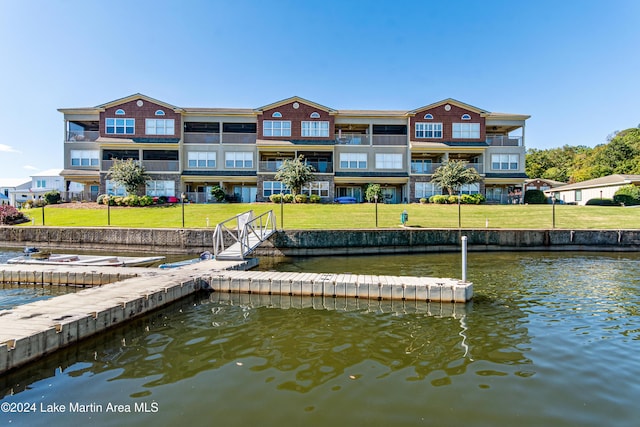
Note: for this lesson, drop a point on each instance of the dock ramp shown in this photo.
(246, 231)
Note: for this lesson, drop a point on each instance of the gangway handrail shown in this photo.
(261, 227)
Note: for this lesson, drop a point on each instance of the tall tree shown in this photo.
(453, 174)
(128, 173)
(295, 173)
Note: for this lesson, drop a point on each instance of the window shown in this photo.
(85, 158)
(353, 160)
(238, 159)
(276, 114)
(119, 112)
(160, 127)
(428, 130)
(427, 189)
(315, 115)
(466, 117)
(315, 129)
(276, 128)
(421, 166)
(466, 130)
(41, 183)
(114, 189)
(201, 159)
(161, 188)
(470, 189)
(388, 161)
(274, 187)
(121, 126)
(428, 116)
(159, 113)
(320, 188)
(504, 161)
(578, 195)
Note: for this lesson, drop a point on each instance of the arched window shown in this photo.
(120, 112)
(315, 115)
(428, 116)
(277, 114)
(466, 117)
(159, 113)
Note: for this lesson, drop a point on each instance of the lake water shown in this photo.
(550, 339)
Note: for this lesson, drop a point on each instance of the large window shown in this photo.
(504, 161)
(466, 130)
(121, 126)
(238, 159)
(353, 160)
(470, 189)
(274, 187)
(315, 129)
(161, 188)
(427, 189)
(423, 166)
(201, 159)
(428, 130)
(388, 161)
(114, 189)
(160, 127)
(85, 158)
(320, 188)
(276, 128)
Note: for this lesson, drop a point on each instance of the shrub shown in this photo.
(301, 198)
(52, 197)
(602, 202)
(423, 200)
(275, 198)
(628, 195)
(288, 198)
(439, 199)
(535, 197)
(162, 200)
(217, 193)
(453, 200)
(314, 198)
(146, 201)
(102, 199)
(9, 215)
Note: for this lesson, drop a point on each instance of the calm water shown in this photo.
(550, 339)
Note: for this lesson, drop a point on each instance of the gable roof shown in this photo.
(134, 97)
(295, 99)
(449, 101)
(605, 181)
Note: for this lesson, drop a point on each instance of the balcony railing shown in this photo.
(429, 168)
(238, 138)
(504, 140)
(82, 136)
(201, 138)
(273, 165)
(352, 139)
(150, 165)
(389, 139)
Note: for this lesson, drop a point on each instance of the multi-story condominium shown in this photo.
(190, 150)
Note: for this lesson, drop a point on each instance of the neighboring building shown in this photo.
(51, 180)
(541, 184)
(600, 188)
(16, 190)
(240, 149)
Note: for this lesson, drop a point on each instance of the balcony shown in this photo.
(150, 165)
(201, 138)
(389, 139)
(238, 138)
(274, 165)
(352, 139)
(504, 141)
(82, 136)
(419, 168)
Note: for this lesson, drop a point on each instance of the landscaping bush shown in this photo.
(535, 197)
(51, 197)
(275, 198)
(218, 193)
(301, 198)
(423, 200)
(453, 200)
(628, 195)
(314, 198)
(439, 199)
(10, 215)
(146, 201)
(162, 200)
(288, 198)
(602, 202)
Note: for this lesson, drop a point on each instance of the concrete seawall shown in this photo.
(321, 242)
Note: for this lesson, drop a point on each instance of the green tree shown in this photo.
(371, 191)
(295, 173)
(128, 173)
(453, 174)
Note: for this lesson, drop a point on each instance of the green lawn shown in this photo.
(311, 216)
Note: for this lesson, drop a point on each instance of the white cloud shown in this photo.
(30, 168)
(7, 149)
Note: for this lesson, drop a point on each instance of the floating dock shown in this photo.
(117, 294)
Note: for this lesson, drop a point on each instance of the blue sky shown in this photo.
(573, 65)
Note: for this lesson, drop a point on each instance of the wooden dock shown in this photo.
(116, 295)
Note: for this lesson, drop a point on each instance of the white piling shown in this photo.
(464, 259)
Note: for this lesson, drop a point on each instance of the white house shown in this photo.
(600, 188)
(16, 190)
(50, 180)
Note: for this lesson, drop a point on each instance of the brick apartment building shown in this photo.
(190, 150)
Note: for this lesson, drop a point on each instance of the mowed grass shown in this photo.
(333, 216)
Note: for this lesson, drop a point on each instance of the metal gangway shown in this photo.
(247, 233)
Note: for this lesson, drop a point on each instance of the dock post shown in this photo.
(464, 259)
